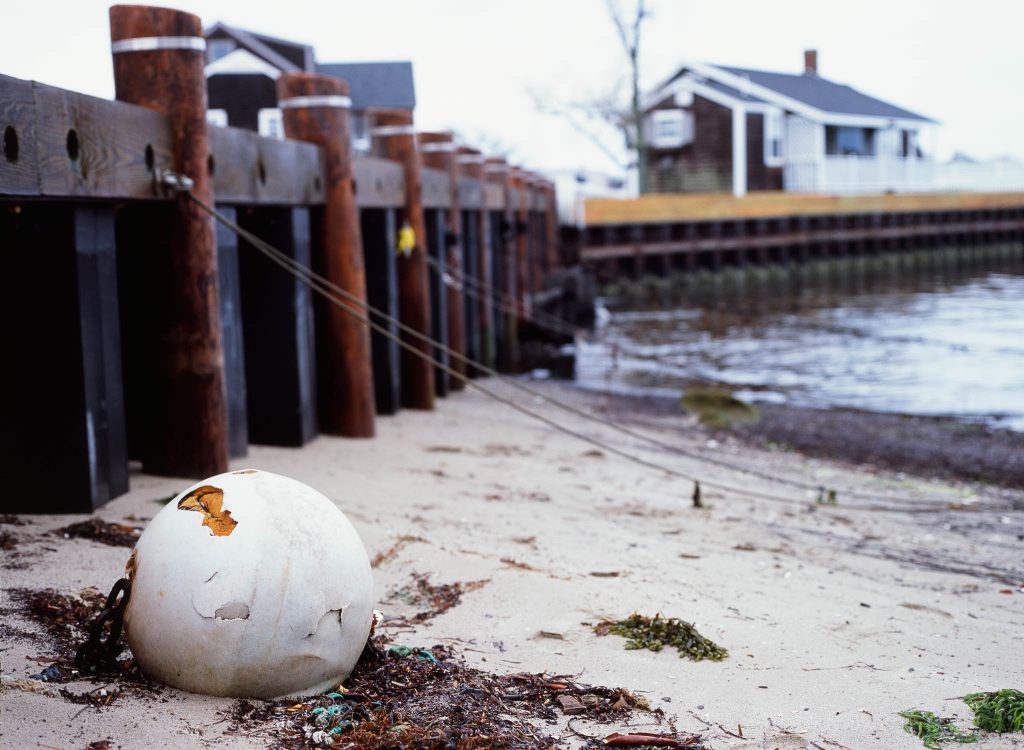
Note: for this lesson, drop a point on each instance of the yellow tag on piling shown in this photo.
(406, 239)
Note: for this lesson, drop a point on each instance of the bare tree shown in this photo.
(615, 108)
(629, 36)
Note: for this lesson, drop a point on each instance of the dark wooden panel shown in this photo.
(277, 321)
(378, 226)
(470, 305)
(434, 220)
(436, 192)
(18, 173)
(96, 148)
(63, 438)
(232, 337)
(380, 183)
(248, 169)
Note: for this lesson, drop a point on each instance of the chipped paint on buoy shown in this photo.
(249, 584)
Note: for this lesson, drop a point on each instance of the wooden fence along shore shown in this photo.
(137, 330)
(660, 234)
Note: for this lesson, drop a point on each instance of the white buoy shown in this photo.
(249, 584)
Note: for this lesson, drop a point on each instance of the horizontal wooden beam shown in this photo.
(62, 144)
(771, 204)
(435, 188)
(789, 238)
(379, 183)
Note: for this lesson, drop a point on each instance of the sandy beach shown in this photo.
(835, 617)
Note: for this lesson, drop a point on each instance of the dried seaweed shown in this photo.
(428, 698)
(111, 534)
(64, 618)
(8, 541)
(438, 598)
(392, 552)
(654, 633)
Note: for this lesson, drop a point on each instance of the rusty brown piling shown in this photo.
(554, 260)
(394, 138)
(503, 278)
(315, 108)
(158, 63)
(521, 222)
(438, 151)
(471, 163)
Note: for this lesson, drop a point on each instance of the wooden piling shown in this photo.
(438, 150)
(554, 261)
(521, 222)
(315, 108)
(472, 162)
(158, 63)
(476, 263)
(394, 138)
(502, 278)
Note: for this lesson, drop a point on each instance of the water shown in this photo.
(864, 334)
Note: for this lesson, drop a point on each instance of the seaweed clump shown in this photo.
(932, 729)
(429, 699)
(654, 633)
(438, 598)
(718, 408)
(999, 711)
(111, 534)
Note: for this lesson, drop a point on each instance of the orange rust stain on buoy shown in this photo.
(209, 500)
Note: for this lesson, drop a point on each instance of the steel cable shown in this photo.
(327, 289)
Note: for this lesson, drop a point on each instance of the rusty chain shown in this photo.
(99, 654)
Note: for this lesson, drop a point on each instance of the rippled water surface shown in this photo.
(937, 343)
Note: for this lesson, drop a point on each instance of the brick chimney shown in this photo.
(810, 62)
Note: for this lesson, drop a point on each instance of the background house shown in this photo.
(714, 128)
(242, 67)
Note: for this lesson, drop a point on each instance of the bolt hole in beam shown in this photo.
(211, 165)
(10, 143)
(72, 145)
(262, 170)
(150, 157)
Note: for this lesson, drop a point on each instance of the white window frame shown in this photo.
(270, 123)
(774, 128)
(217, 117)
(670, 128)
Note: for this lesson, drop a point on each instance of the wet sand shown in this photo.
(835, 618)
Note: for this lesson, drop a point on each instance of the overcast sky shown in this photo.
(478, 63)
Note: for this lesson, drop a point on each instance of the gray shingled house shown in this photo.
(717, 128)
(242, 67)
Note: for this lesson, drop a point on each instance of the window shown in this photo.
(909, 147)
(218, 117)
(670, 128)
(218, 48)
(846, 141)
(269, 123)
(773, 138)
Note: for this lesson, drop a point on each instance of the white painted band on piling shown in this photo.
(151, 43)
(437, 147)
(496, 167)
(471, 159)
(384, 130)
(326, 100)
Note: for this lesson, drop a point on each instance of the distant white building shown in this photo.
(573, 187)
(987, 175)
(716, 128)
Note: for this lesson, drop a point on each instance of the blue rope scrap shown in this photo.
(401, 652)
